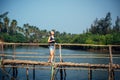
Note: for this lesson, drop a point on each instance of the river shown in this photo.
(76, 56)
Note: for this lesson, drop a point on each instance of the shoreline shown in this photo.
(104, 51)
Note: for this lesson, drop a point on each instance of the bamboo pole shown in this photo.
(27, 73)
(2, 58)
(33, 72)
(65, 56)
(60, 53)
(110, 50)
(52, 71)
(63, 44)
(14, 46)
(13, 70)
(89, 74)
(65, 64)
(111, 71)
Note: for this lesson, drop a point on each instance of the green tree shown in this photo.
(1, 26)
(102, 26)
(116, 38)
(94, 27)
(116, 28)
(6, 24)
(107, 24)
(20, 30)
(13, 27)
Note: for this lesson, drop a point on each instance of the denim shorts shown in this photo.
(51, 48)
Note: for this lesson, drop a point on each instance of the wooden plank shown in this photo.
(58, 64)
(9, 61)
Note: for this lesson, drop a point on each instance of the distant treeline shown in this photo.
(101, 31)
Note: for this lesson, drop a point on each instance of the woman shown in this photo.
(51, 41)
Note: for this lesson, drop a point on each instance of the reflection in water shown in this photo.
(62, 73)
(9, 74)
(15, 71)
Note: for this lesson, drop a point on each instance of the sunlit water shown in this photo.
(75, 56)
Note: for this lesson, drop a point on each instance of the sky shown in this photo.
(71, 16)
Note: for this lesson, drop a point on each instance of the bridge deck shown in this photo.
(57, 64)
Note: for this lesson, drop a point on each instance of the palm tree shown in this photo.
(1, 26)
(2, 16)
(20, 29)
(6, 24)
(13, 27)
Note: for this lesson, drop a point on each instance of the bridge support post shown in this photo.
(52, 71)
(60, 53)
(89, 74)
(2, 58)
(27, 73)
(14, 47)
(111, 71)
(33, 72)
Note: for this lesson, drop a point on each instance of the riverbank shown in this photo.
(102, 49)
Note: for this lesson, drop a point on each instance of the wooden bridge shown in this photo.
(16, 63)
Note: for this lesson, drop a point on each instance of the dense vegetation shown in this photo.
(101, 32)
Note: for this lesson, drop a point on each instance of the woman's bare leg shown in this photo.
(49, 59)
(52, 55)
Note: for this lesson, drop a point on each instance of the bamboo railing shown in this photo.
(58, 65)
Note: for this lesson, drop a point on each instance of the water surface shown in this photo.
(76, 56)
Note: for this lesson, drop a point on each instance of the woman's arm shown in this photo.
(49, 40)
